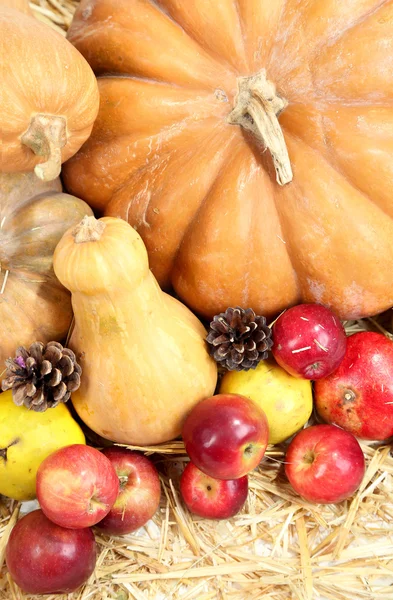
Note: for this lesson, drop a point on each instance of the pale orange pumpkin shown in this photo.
(22, 5)
(49, 95)
(33, 217)
(192, 93)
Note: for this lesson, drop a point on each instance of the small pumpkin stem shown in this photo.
(46, 136)
(89, 229)
(257, 108)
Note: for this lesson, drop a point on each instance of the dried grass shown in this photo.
(56, 13)
(278, 548)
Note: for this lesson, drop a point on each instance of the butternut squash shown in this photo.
(143, 354)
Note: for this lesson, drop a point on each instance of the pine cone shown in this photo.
(42, 376)
(239, 339)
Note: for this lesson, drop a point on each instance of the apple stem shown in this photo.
(349, 396)
(309, 457)
(123, 480)
(249, 450)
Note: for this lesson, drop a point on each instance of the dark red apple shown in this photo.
(309, 341)
(139, 493)
(76, 486)
(43, 558)
(212, 498)
(324, 464)
(226, 435)
(358, 396)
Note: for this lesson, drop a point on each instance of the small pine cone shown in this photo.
(42, 376)
(238, 339)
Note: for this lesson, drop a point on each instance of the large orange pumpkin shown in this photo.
(192, 93)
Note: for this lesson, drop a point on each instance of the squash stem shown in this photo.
(256, 109)
(89, 229)
(46, 136)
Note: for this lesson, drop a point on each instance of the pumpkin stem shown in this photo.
(256, 109)
(46, 136)
(89, 229)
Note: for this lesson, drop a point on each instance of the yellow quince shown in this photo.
(26, 438)
(286, 400)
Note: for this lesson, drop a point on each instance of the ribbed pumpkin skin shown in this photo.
(33, 217)
(43, 74)
(201, 192)
(144, 357)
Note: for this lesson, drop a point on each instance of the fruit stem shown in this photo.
(256, 108)
(349, 396)
(309, 457)
(123, 480)
(3, 451)
(89, 229)
(249, 450)
(46, 136)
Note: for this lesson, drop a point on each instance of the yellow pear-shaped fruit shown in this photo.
(286, 400)
(26, 438)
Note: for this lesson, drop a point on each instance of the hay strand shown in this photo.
(6, 534)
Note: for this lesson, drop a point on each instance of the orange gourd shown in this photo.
(33, 217)
(49, 97)
(250, 143)
(143, 354)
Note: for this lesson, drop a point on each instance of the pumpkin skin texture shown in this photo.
(33, 217)
(166, 155)
(143, 353)
(49, 96)
(22, 5)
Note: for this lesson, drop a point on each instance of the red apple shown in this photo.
(43, 558)
(76, 486)
(309, 341)
(212, 498)
(139, 493)
(324, 464)
(358, 396)
(226, 435)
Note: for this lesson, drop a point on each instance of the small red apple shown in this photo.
(43, 558)
(139, 493)
(324, 464)
(226, 435)
(76, 486)
(212, 498)
(358, 396)
(309, 341)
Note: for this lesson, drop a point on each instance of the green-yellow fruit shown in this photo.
(26, 438)
(286, 400)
